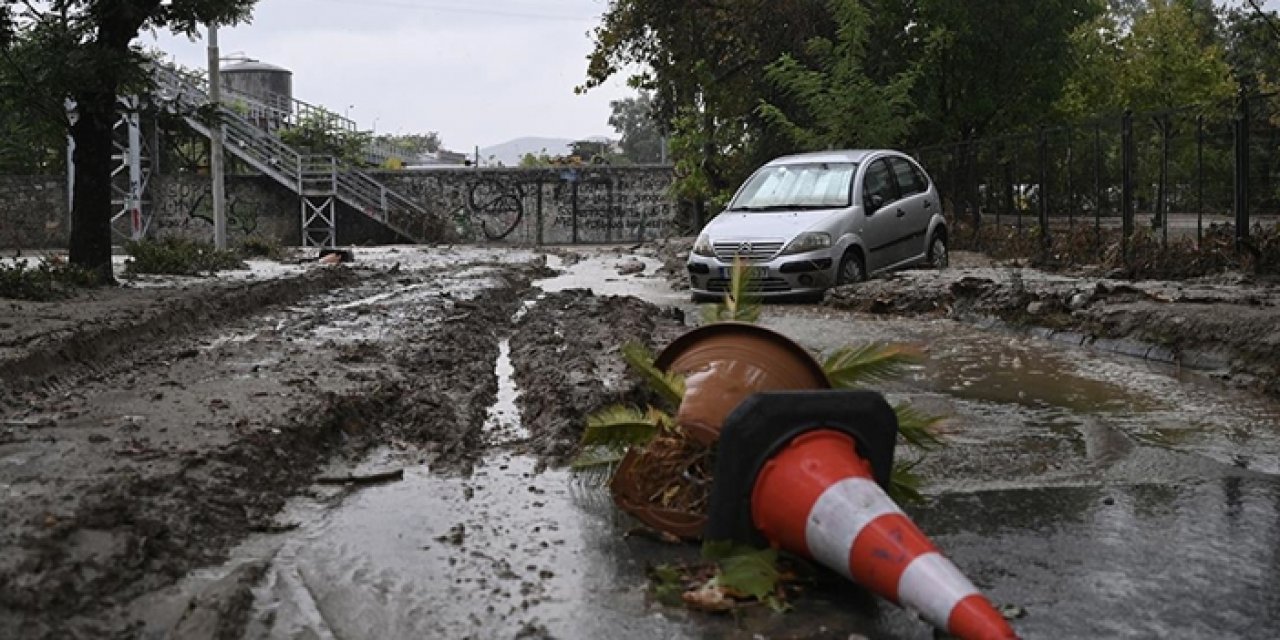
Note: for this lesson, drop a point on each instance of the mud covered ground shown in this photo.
(1223, 325)
(146, 430)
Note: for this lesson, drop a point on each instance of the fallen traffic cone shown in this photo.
(805, 471)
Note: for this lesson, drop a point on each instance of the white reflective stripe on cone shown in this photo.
(839, 515)
(932, 585)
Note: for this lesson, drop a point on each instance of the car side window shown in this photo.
(920, 177)
(878, 182)
(909, 182)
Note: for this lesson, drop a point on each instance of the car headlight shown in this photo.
(808, 241)
(703, 247)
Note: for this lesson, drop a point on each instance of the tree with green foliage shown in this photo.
(642, 139)
(837, 105)
(412, 145)
(321, 134)
(990, 66)
(32, 138)
(1170, 60)
(87, 50)
(1167, 58)
(704, 63)
(1252, 48)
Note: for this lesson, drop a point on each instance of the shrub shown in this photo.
(256, 247)
(47, 280)
(179, 257)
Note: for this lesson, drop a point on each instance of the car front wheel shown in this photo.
(938, 256)
(851, 269)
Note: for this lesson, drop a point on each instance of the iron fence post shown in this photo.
(1162, 197)
(1199, 180)
(1241, 171)
(1126, 186)
(1043, 145)
(1097, 183)
(1007, 163)
(1071, 190)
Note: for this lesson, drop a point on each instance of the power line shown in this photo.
(433, 7)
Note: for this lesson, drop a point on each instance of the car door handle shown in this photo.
(927, 204)
(901, 213)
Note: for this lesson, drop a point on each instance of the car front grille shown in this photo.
(752, 251)
(763, 285)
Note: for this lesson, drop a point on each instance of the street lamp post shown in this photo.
(216, 134)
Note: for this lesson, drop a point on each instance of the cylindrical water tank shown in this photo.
(266, 82)
(262, 92)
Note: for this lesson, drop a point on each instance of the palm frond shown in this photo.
(739, 304)
(919, 429)
(860, 365)
(904, 483)
(619, 427)
(594, 466)
(670, 386)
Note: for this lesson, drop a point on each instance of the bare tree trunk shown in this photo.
(91, 212)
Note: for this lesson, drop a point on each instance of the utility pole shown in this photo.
(216, 135)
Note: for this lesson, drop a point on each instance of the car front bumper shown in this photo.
(804, 273)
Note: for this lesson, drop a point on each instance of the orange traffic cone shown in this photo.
(811, 493)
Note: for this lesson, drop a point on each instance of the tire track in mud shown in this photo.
(55, 362)
(141, 522)
(568, 364)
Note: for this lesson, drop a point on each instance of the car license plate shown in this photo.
(752, 272)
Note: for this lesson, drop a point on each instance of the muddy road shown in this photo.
(172, 458)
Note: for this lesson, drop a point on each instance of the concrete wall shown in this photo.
(593, 204)
(33, 212)
(182, 205)
(519, 206)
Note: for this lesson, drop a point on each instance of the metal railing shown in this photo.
(1169, 172)
(305, 175)
(273, 112)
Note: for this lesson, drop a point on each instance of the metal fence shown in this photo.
(1179, 171)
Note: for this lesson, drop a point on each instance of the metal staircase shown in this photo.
(320, 181)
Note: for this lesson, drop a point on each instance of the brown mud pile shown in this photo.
(568, 364)
(1225, 325)
(125, 476)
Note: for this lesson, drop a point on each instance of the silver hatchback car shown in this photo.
(807, 222)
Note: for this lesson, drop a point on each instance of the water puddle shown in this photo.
(502, 425)
(506, 552)
(511, 550)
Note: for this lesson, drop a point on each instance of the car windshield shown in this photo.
(820, 185)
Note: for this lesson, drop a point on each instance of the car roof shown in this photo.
(839, 155)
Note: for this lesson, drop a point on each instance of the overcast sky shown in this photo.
(480, 73)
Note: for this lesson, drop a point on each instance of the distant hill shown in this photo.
(509, 153)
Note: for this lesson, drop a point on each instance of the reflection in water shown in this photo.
(1016, 372)
(1125, 561)
(450, 557)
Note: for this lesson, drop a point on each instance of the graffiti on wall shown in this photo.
(553, 206)
(184, 202)
(496, 207)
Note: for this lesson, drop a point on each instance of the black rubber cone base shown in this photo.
(766, 422)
